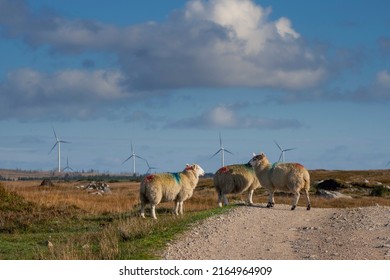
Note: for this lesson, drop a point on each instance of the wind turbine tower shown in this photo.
(133, 156)
(221, 150)
(58, 143)
(281, 157)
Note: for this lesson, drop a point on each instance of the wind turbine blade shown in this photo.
(53, 147)
(139, 157)
(280, 148)
(62, 141)
(220, 140)
(280, 157)
(228, 151)
(55, 135)
(216, 153)
(127, 159)
(286, 150)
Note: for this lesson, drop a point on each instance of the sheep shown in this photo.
(164, 187)
(236, 178)
(292, 177)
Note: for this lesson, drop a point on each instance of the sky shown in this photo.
(169, 77)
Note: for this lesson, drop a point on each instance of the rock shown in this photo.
(331, 194)
(46, 183)
(332, 185)
(98, 188)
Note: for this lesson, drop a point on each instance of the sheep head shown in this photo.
(196, 169)
(258, 160)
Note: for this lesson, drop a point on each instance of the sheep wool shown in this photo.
(290, 177)
(163, 187)
(234, 179)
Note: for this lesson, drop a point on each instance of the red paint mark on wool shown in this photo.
(150, 178)
(223, 170)
(299, 165)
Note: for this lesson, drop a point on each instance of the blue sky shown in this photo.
(169, 76)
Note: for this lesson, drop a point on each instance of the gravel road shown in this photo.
(256, 233)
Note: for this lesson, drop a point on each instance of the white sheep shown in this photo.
(291, 177)
(164, 187)
(234, 179)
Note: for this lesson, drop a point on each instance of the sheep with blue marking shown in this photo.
(235, 179)
(289, 177)
(163, 187)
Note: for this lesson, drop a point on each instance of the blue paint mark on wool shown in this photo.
(176, 176)
(273, 166)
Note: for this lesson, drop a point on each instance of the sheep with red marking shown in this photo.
(235, 179)
(163, 187)
(290, 177)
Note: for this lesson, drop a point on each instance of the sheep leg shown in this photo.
(142, 209)
(181, 208)
(153, 211)
(220, 199)
(271, 201)
(225, 200)
(307, 199)
(250, 195)
(295, 200)
(176, 210)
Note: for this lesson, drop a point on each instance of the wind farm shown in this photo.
(94, 217)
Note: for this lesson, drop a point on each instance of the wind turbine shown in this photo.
(67, 165)
(133, 155)
(282, 151)
(58, 143)
(149, 167)
(222, 150)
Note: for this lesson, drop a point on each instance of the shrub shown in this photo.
(380, 191)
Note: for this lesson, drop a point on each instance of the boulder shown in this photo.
(332, 185)
(331, 194)
(46, 183)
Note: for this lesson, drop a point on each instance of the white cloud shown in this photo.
(223, 116)
(283, 25)
(29, 94)
(383, 79)
(215, 43)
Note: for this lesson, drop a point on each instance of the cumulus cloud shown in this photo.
(221, 44)
(377, 91)
(223, 116)
(207, 43)
(384, 45)
(31, 94)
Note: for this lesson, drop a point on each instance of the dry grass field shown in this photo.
(66, 222)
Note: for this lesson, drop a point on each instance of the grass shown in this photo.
(83, 226)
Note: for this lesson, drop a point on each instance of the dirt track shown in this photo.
(248, 233)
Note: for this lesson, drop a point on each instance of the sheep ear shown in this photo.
(189, 166)
(254, 154)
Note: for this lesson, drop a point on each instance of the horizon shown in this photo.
(169, 77)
